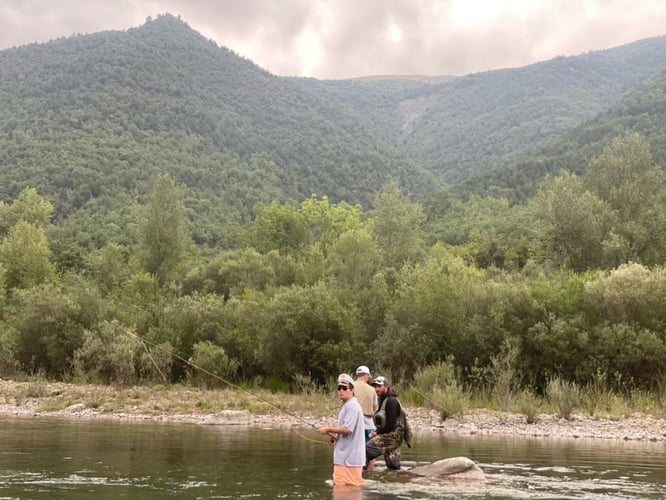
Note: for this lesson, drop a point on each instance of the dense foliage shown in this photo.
(642, 111)
(463, 127)
(573, 281)
(91, 121)
(159, 207)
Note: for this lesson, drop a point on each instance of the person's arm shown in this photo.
(335, 429)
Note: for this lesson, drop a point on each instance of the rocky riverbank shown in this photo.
(44, 400)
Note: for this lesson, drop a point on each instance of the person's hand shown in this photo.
(323, 430)
(372, 434)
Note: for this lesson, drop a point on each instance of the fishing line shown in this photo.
(428, 399)
(230, 384)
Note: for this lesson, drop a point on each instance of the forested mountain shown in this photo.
(642, 111)
(383, 105)
(170, 198)
(462, 127)
(91, 120)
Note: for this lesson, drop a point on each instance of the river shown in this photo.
(53, 458)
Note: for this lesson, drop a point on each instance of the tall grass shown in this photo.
(504, 375)
(528, 405)
(441, 388)
(565, 396)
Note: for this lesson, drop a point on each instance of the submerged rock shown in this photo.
(454, 468)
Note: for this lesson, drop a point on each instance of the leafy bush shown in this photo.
(210, 365)
(9, 366)
(442, 388)
(274, 384)
(107, 355)
(451, 401)
(154, 365)
(435, 376)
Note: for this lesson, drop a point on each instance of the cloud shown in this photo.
(345, 38)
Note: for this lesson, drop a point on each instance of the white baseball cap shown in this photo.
(361, 370)
(344, 379)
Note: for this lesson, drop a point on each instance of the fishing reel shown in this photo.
(332, 439)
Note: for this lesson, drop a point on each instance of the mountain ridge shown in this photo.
(115, 109)
(92, 120)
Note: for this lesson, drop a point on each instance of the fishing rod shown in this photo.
(144, 342)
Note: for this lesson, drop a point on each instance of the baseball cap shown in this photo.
(361, 370)
(379, 381)
(344, 379)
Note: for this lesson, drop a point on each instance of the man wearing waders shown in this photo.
(388, 437)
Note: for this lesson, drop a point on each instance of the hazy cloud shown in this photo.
(344, 38)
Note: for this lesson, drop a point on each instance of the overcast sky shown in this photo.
(347, 38)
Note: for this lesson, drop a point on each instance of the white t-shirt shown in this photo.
(350, 448)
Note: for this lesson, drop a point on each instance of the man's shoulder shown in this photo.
(355, 405)
(393, 400)
(362, 386)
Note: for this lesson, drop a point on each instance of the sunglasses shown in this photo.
(344, 388)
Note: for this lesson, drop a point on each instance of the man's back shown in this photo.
(365, 395)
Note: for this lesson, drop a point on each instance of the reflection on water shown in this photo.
(49, 458)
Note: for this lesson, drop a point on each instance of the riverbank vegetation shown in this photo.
(563, 401)
(459, 300)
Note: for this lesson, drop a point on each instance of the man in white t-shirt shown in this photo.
(349, 452)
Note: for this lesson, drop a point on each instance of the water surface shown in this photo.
(76, 459)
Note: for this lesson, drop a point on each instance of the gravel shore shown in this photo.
(636, 427)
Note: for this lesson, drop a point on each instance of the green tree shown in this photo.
(309, 332)
(354, 259)
(107, 355)
(29, 207)
(110, 266)
(325, 221)
(426, 322)
(632, 294)
(25, 254)
(396, 223)
(213, 359)
(46, 330)
(231, 272)
(626, 177)
(575, 222)
(163, 230)
(278, 227)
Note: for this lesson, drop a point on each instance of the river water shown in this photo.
(77, 459)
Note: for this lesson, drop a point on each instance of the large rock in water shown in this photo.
(450, 469)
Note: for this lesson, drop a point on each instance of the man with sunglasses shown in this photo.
(349, 451)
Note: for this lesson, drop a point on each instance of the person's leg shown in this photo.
(372, 451)
(347, 476)
(391, 447)
(392, 458)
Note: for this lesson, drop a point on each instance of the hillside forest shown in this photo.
(569, 284)
(167, 206)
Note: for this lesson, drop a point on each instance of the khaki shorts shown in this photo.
(351, 476)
